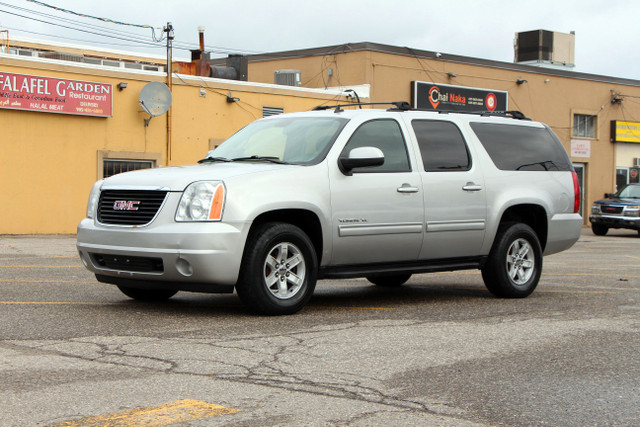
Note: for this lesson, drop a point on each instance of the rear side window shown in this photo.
(522, 148)
(441, 145)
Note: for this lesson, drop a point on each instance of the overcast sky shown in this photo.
(607, 32)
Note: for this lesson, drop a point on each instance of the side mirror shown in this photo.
(361, 157)
(608, 195)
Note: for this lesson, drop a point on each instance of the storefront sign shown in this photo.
(625, 131)
(439, 97)
(580, 148)
(45, 94)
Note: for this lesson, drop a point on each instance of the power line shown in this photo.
(107, 32)
(78, 29)
(153, 32)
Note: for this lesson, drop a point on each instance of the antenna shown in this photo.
(155, 99)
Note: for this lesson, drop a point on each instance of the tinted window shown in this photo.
(385, 135)
(524, 148)
(441, 145)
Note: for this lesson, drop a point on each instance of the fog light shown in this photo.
(183, 267)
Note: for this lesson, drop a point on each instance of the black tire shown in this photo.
(599, 229)
(389, 280)
(147, 294)
(270, 285)
(515, 262)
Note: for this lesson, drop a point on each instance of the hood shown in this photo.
(618, 201)
(177, 178)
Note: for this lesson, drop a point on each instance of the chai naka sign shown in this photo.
(625, 131)
(52, 95)
(439, 97)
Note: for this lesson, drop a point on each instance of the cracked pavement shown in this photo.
(438, 351)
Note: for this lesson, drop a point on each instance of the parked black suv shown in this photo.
(618, 210)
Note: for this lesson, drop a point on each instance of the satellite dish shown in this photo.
(155, 99)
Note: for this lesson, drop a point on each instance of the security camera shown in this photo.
(438, 54)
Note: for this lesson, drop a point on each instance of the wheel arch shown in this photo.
(304, 219)
(535, 216)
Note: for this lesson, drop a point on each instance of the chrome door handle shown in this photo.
(470, 186)
(407, 188)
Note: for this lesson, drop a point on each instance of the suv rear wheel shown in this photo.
(389, 280)
(279, 269)
(515, 262)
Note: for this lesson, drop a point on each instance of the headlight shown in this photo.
(94, 198)
(202, 201)
(631, 211)
(595, 209)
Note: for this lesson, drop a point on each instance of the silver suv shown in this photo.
(339, 193)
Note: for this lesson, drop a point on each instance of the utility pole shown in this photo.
(169, 30)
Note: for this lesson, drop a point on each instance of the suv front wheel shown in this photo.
(279, 269)
(515, 262)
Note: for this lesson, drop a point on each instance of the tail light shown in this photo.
(576, 193)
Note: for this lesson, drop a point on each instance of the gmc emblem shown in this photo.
(125, 205)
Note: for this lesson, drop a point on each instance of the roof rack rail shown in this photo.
(514, 114)
(400, 105)
(405, 106)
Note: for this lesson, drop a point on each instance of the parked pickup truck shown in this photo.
(617, 210)
(339, 193)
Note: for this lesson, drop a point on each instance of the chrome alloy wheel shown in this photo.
(520, 262)
(284, 270)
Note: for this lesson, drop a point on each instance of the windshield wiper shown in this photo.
(546, 165)
(261, 158)
(214, 159)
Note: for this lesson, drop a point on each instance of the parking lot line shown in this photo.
(161, 415)
(335, 307)
(37, 281)
(41, 266)
(57, 303)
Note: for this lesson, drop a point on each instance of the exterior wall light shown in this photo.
(231, 98)
(521, 81)
(122, 85)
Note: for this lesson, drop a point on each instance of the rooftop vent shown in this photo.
(545, 48)
(62, 56)
(287, 77)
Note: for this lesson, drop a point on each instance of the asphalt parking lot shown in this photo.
(437, 351)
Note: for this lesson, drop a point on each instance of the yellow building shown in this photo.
(581, 108)
(51, 152)
(67, 118)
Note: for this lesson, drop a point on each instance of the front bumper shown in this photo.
(616, 221)
(187, 256)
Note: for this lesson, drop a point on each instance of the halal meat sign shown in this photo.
(439, 97)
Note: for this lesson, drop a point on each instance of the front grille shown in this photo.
(611, 209)
(129, 207)
(128, 263)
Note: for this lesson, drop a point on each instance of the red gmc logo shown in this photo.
(125, 205)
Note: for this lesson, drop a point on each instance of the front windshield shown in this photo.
(630, 192)
(297, 140)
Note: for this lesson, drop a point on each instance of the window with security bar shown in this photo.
(113, 166)
(584, 126)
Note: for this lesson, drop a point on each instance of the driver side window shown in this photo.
(386, 135)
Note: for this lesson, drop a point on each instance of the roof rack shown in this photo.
(405, 106)
(400, 105)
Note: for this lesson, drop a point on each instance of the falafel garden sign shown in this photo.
(51, 95)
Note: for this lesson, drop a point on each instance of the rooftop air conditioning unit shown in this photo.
(545, 48)
(287, 77)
